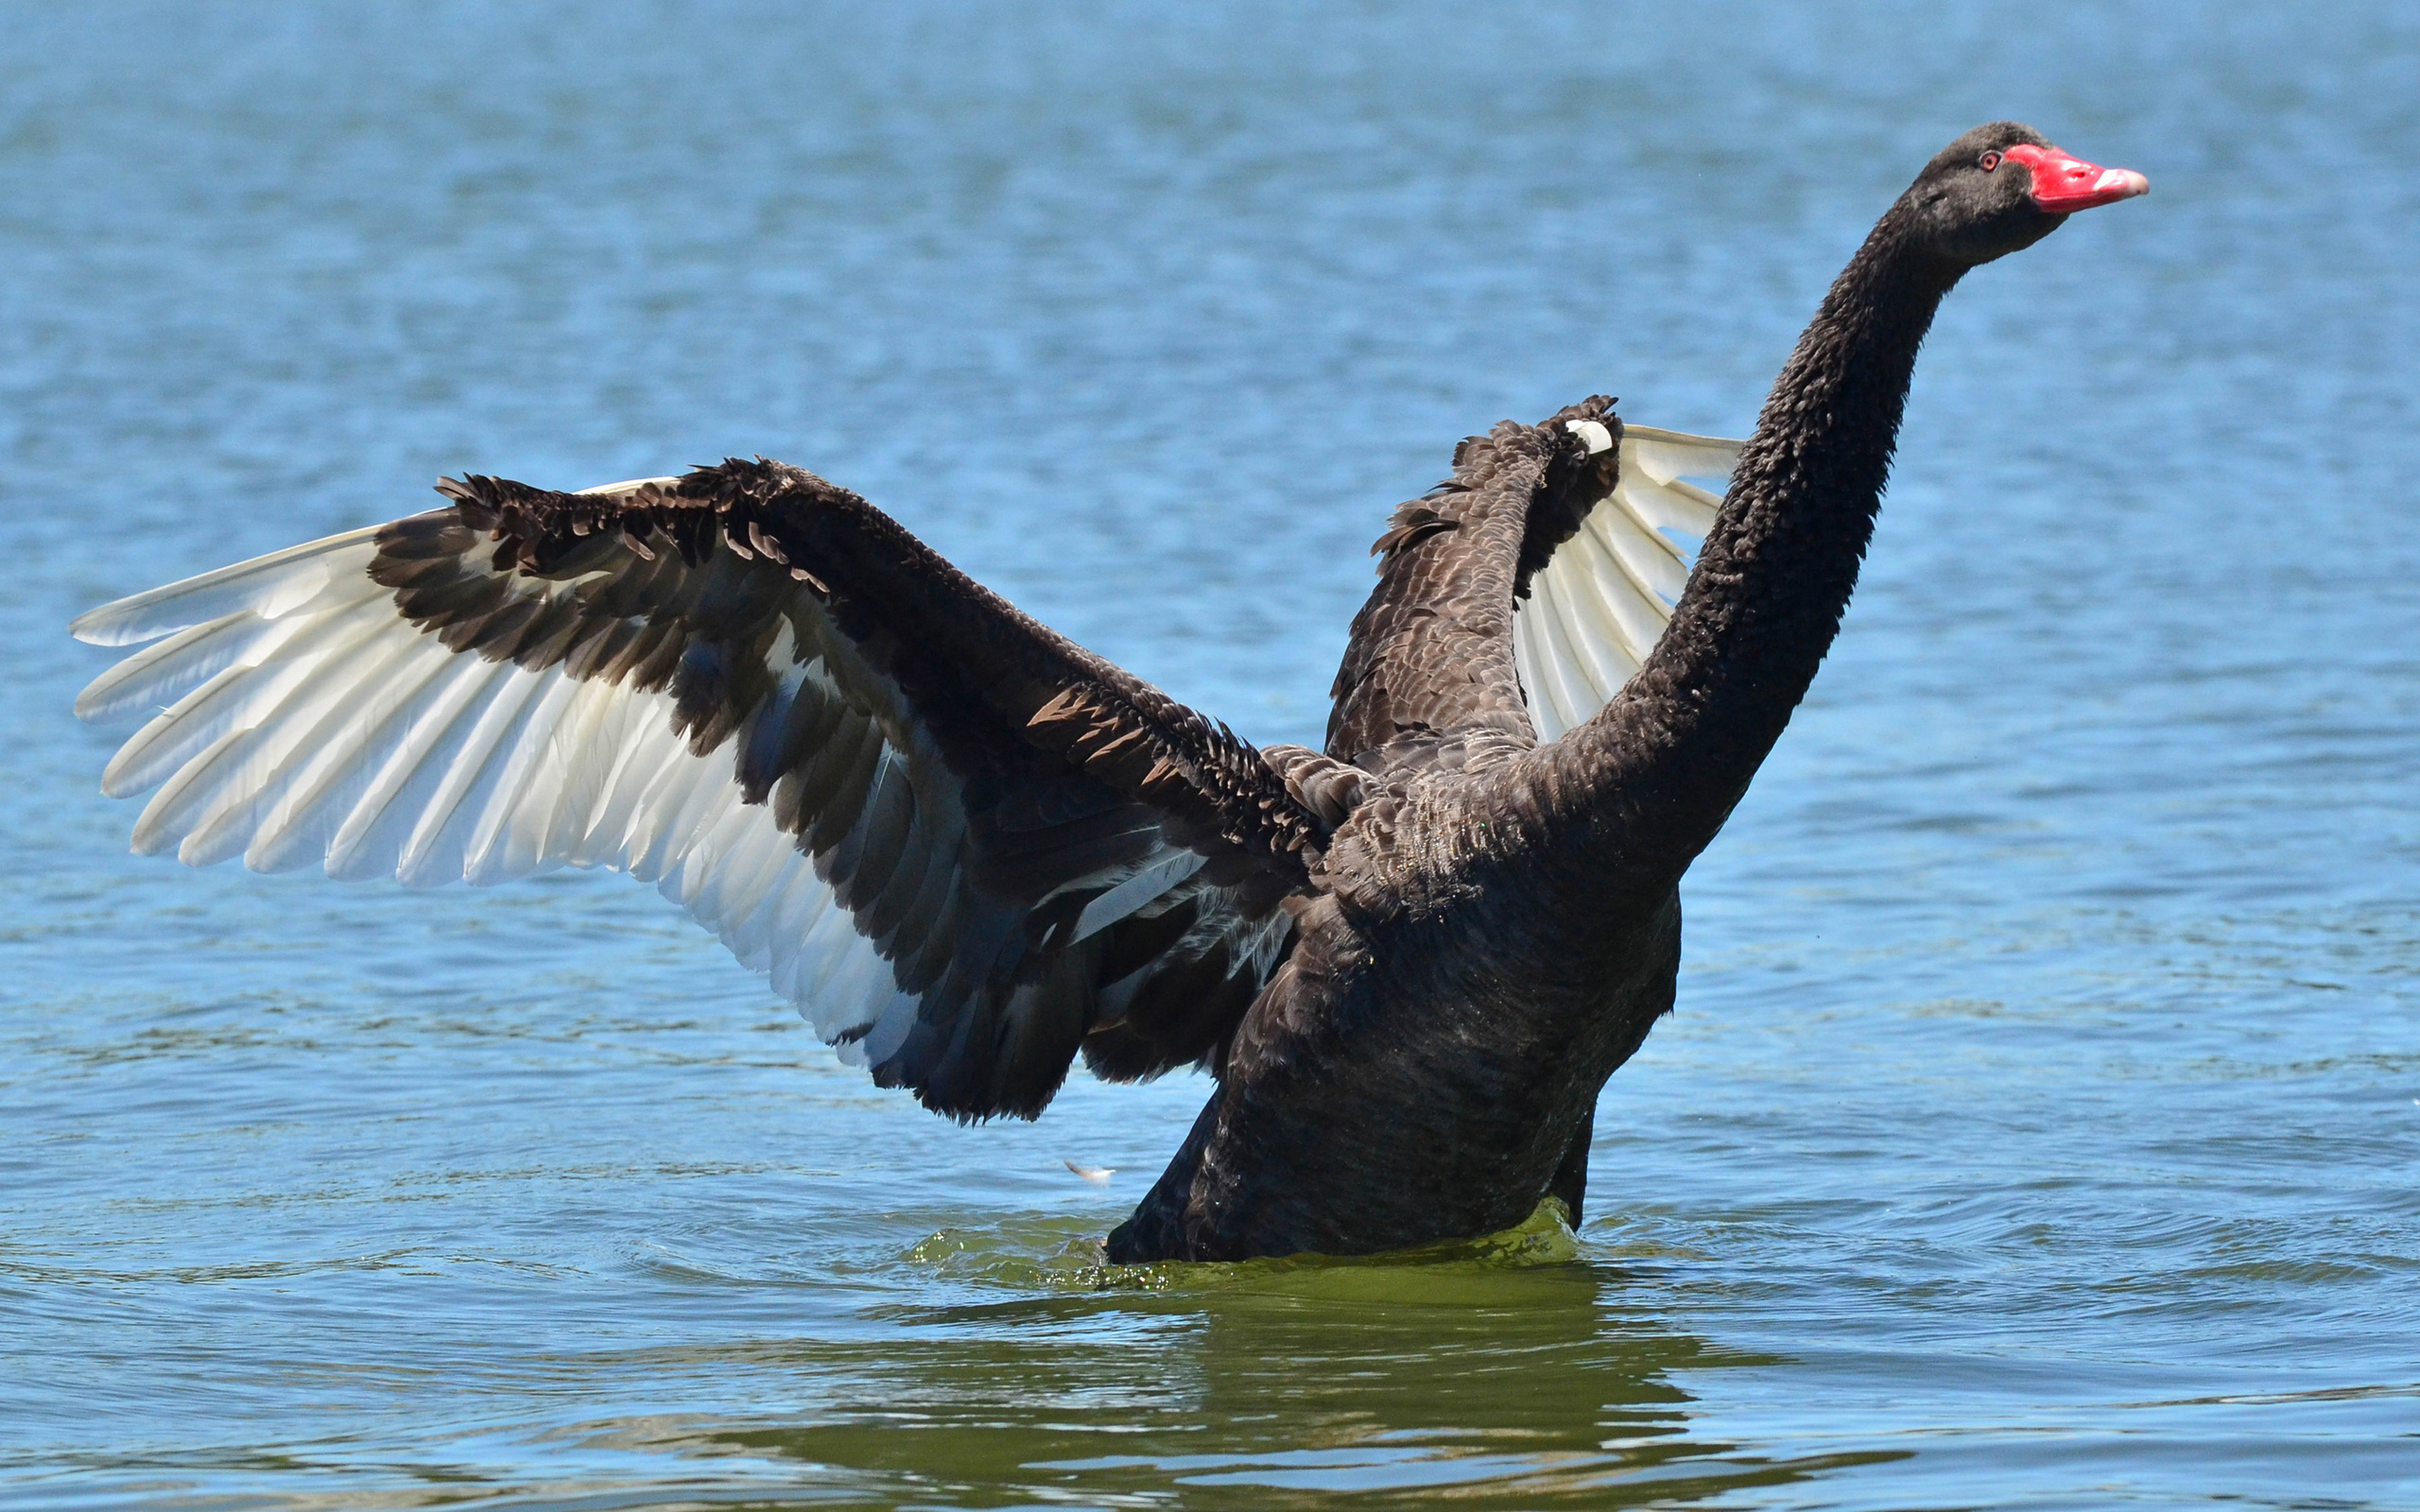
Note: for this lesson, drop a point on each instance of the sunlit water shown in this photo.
(2041, 1119)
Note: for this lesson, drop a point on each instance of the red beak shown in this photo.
(2062, 183)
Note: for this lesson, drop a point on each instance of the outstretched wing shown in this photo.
(1516, 597)
(1603, 598)
(963, 846)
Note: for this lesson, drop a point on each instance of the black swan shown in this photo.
(969, 849)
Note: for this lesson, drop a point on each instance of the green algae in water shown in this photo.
(1044, 1255)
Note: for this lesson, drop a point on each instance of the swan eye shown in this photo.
(1989, 160)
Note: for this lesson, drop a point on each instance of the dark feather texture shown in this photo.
(1023, 765)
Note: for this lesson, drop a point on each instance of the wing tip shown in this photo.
(113, 624)
(1665, 456)
(125, 621)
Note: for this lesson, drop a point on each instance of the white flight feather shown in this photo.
(160, 675)
(1664, 454)
(707, 858)
(587, 743)
(746, 853)
(438, 852)
(1526, 664)
(1598, 607)
(1633, 618)
(298, 691)
(644, 745)
(1647, 559)
(345, 763)
(1566, 678)
(803, 901)
(220, 703)
(1593, 635)
(370, 840)
(770, 933)
(836, 953)
(749, 934)
(301, 747)
(502, 846)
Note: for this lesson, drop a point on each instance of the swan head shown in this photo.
(2002, 187)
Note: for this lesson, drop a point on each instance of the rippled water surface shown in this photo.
(2041, 1119)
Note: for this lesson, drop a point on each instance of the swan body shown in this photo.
(970, 850)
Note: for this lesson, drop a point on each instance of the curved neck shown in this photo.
(1669, 758)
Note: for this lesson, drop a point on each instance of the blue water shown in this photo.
(2040, 1124)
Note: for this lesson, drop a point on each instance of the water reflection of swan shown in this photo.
(971, 849)
(1265, 1384)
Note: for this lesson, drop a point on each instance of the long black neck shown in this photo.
(1662, 766)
